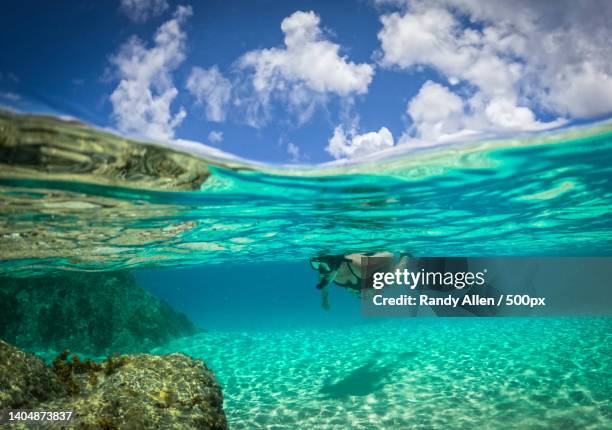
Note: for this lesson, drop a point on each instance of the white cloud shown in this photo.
(212, 90)
(440, 115)
(142, 10)
(566, 53)
(215, 136)
(294, 151)
(581, 91)
(352, 145)
(486, 60)
(434, 37)
(142, 100)
(508, 58)
(305, 71)
(434, 103)
(436, 112)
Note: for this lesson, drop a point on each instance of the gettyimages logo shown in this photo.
(412, 280)
(443, 273)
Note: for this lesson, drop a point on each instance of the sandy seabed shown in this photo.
(461, 373)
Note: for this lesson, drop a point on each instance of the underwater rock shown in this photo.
(43, 147)
(25, 380)
(123, 392)
(95, 313)
(144, 391)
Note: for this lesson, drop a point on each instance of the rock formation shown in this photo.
(93, 313)
(124, 391)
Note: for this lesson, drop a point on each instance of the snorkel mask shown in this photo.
(327, 268)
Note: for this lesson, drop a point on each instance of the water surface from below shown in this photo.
(83, 199)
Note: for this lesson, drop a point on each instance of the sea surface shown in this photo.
(73, 197)
(227, 242)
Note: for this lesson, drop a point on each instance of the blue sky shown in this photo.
(310, 81)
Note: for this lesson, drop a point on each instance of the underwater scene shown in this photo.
(144, 286)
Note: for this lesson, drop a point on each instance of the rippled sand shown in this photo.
(417, 374)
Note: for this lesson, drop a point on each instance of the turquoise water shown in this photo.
(87, 200)
(431, 373)
(79, 199)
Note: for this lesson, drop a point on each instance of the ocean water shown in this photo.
(227, 242)
(73, 197)
(285, 363)
(430, 373)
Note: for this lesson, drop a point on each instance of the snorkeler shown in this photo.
(347, 271)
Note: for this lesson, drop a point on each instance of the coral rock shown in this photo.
(123, 392)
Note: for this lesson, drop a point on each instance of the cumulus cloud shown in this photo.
(351, 145)
(492, 60)
(305, 70)
(212, 90)
(435, 37)
(440, 115)
(437, 113)
(566, 50)
(215, 136)
(142, 100)
(142, 10)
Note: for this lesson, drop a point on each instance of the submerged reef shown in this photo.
(43, 147)
(25, 380)
(75, 196)
(94, 313)
(124, 391)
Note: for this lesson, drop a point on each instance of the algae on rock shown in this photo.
(95, 313)
(128, 391)
(25, 380)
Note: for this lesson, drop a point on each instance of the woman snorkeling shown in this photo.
(352, 272)
(348, 270)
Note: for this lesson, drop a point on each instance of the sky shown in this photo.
(310, 81)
